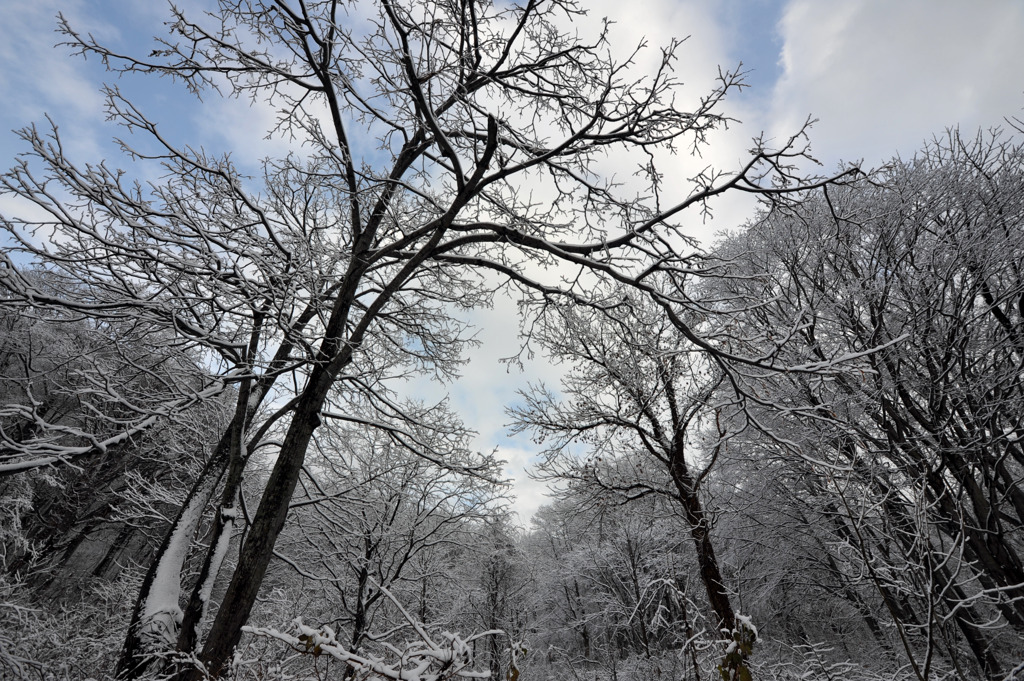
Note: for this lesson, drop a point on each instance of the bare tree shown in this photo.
(339, 256)
(921, 435)
(643, 400)
(369, 510)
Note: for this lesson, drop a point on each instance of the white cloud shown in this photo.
(707, 47)
(530, 494)
(38, 77)
(883, 77)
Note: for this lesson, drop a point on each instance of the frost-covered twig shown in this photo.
(420, 660)
(428, 657)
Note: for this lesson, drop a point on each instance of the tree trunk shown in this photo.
(710, 574)
(134, 657)
(266, 526)
(223, 525)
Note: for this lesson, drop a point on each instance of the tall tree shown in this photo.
(337, 257)
(644, 401)
(922, 436)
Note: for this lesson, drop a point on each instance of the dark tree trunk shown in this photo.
(266, 526)
(710, 573)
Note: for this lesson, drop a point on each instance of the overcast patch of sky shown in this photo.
(883, 77)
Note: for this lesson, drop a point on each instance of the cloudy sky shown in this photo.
(880, 76)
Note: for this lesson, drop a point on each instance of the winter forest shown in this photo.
(791, 452)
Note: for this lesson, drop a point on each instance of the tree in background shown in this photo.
(67, 383)
(856, 382)
(914, 455)
(618, 590)
(71, 535)
(642, 403)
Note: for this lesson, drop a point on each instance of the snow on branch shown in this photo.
(428, 657)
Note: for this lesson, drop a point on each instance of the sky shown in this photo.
(880, 77)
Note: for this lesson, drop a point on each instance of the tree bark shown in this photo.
(134, 659)
(266, 526)
(710, 573)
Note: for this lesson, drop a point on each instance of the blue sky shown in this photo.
(880, 76)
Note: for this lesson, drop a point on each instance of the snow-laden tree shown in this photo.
(495, 588)
(917, 447)
(420, 130)
(377, 534)
(643, 401)
(73, 386)
(367, 512)
(67, 383)
(618, 592)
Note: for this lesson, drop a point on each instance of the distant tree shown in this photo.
(787, 542)
(612, 590)
(565, 617)
(67, 383)
(369, 514)
(644, 402)
(496, 583)
(73, 386)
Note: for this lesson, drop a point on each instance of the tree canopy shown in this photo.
(203, 369)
